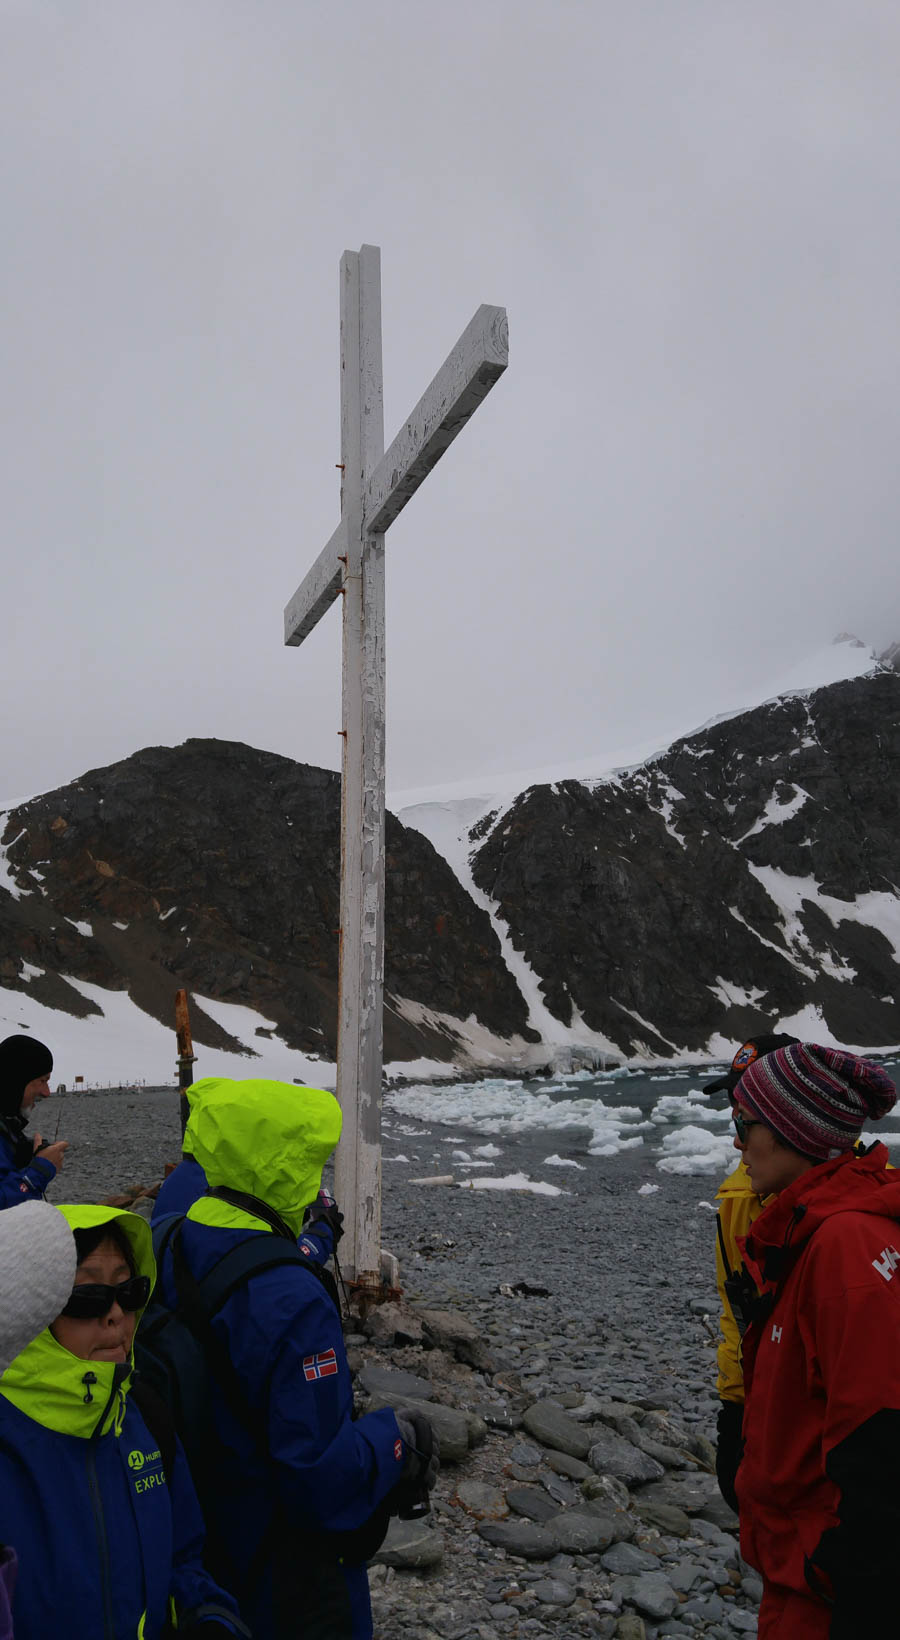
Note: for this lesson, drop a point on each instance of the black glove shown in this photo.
(409, 1498)
(325, 1207)
(205, 1622)
(729, 1449)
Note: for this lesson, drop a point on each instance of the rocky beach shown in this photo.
(564, 1345)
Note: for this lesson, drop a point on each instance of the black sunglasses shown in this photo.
(743, 1123)
(92, 1300)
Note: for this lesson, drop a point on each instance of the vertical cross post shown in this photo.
(376, 486)
(361, 984)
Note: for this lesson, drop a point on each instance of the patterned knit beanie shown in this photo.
(814, 1098)
(37, 1272)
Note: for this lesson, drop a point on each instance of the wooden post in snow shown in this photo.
(375, 488)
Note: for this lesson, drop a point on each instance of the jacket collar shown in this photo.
(846, 1184)
(64, 1393)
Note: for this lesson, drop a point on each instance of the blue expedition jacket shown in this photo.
(188, 1182)
(323, 1472)
(21, 1184)
(108, 1548)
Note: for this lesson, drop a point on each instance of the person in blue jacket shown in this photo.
(109, 1543)
(288, 1495)
(27, 1165)
(323, 1222)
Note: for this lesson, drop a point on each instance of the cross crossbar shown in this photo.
(465, 378)
(318, 589)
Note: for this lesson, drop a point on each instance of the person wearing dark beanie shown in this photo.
(816, 1486)
(27, 1165)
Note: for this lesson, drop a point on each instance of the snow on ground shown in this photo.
(875, 910)
(513, 1181)
(122, 1046)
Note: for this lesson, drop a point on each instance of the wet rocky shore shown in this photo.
(565, 1346)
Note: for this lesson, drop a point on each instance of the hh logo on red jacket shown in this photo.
(887, 1263)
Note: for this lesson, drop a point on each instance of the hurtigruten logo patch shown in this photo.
(147, 1469)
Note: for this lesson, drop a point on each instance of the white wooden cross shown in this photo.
(375, 489)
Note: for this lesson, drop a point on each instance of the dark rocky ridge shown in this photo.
(632, 898)
(224, 864)
(639, 893)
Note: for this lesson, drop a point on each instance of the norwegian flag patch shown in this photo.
(323, 1365)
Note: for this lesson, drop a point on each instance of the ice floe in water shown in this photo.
(562, 1161)
(688, 1107)
(695, 1150)
(506, 1107)
(682, 1132)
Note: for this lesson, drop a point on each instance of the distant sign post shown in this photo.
(374, 490)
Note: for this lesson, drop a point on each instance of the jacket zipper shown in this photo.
(109, 1629)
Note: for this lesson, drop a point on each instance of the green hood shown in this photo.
(269, 1139)
(47, 1383)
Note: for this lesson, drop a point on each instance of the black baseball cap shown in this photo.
(754, 1048)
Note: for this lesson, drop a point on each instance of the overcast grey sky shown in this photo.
(689, 208)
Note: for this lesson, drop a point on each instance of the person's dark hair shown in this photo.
(86, 1241)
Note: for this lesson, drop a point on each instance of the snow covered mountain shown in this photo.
(667, 904)
(651, 904)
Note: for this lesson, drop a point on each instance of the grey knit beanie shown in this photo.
(37, 1273)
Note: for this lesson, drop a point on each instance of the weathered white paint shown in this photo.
(318, 589)
(465, 378)
(358, 1168)
(374, 490)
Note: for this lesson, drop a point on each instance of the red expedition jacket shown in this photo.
(819, 1501)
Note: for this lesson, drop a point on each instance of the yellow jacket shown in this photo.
(738, 1207)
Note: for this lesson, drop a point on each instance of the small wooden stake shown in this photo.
(186, 1056)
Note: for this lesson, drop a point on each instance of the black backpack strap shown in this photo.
(724, 1250)
(253, 1204)
(198, 1301)
(158, 1418)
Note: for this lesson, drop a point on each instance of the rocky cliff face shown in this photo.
(750, 873)
(216, 867)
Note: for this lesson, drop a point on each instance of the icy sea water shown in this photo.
(662, 1122)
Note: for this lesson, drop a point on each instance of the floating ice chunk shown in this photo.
(396, 1158)
(562, 1161)
(491, 1151)
(613, 1146)
(696, 1150)
(460, 1156)
(647, 1189)
(687, 1107)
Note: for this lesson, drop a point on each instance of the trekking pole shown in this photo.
(59, 1118)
